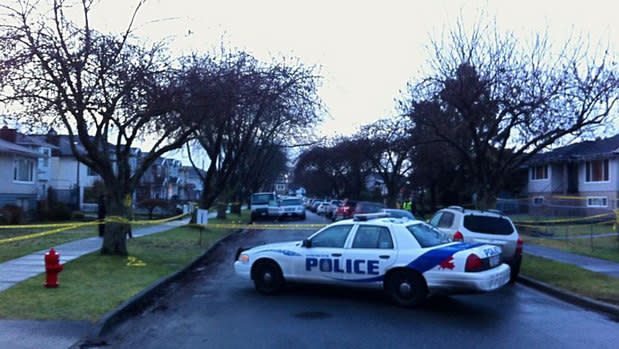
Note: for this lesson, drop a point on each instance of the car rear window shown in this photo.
(262, 198)
(426, 235)
(488, 225)
(291, 202)
(369, 207)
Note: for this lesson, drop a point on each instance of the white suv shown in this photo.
(485, 227)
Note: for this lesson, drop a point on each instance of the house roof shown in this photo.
(12, 148)
(587, 150)
(62, 144)
(23, 139)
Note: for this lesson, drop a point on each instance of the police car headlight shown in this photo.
(244, 258)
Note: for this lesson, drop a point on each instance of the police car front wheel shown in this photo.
(267, 276)
(406, 288)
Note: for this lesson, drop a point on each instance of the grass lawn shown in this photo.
(580, 281)
(94, 284)
(603, 248)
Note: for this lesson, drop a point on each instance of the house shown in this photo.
(190, 187)
(281, 185)
(44, 168)
(67, 177)
(50, 159)
(19, 172)
(162, 180)
(374, 182)
(582, 176)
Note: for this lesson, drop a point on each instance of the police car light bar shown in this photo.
(369, 216)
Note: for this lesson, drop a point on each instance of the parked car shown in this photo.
(322, 208)
(397, 213)
(486, 227)
(408, 259)
(333, 206)
(315, 204)
(263, 205)
(291, 207)
(345, 211)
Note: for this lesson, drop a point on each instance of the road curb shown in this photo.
(140, 301)
(579, 300)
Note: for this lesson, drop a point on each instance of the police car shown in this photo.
(409, 259)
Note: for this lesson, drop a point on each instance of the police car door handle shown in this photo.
(336, 255)
(384, 256)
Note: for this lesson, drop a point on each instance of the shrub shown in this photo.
(53, 211)
(151, 204)
(12, 214)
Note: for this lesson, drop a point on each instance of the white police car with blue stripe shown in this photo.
(408, 258)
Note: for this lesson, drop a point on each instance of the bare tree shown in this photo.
(390, 153)
(496, 102)
(339, 169)
(240, 102)
(109, 93)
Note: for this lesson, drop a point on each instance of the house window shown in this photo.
(597, 171)
(23, 170)
(44, 161)
(539, 172)
(538, 200)
(90, 172)
(597, 201)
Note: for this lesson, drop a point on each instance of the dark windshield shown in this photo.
(488, 225)
(426, 235)
(262, 198)
(291, 202)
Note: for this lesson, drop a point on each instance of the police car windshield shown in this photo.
(426, 235)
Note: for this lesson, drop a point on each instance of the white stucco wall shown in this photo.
(540, 185)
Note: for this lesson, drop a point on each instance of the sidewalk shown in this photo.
(593, 264)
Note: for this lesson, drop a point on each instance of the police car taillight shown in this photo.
(458, 236)
(519, 246)
(473, 263)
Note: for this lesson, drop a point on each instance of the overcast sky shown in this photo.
(367, 50)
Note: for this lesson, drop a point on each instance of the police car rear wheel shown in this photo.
(406, 288)
(267, 277)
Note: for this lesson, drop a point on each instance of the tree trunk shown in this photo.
(485, 200)
(115, 238)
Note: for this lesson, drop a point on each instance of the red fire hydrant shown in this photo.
(52, 268)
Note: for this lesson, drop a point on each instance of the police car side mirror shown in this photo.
(307, 243)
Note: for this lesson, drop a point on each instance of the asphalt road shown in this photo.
(213, 308)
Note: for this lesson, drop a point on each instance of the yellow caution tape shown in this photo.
(566, 220)
(35, 226)
(533, 226)
(36, 235)
(159, 221)
(72, 225)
